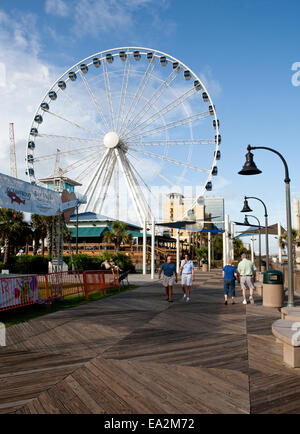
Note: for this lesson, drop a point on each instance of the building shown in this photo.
(208, 209)
(60, 183)
(91, 227)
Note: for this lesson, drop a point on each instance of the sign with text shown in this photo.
(25, 197)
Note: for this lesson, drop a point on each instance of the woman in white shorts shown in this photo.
(187, 277)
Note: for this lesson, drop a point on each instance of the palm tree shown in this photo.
(118, 235)
(40, 231)
(14, 231)
(295, 241)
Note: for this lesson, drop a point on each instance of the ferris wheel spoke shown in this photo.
(85, 172)
(90, 190)
(79, 163)
(169, 107)
(156, 172)
(95, 102)
(170, 160)
(136, 99)
(84, 112)
(108, 94)
(150, 103)
(180, 142)
(170, 125)
(72, 152)
(73, 123)
(72, 138)
(123, 98)
(106, 182)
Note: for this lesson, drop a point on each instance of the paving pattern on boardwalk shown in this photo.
(136, 353)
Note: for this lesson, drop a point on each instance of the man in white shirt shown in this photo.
(187, 277)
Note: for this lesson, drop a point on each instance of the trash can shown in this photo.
(205, 265)
(273, 294)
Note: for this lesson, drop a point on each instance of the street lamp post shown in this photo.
(259, 238)
(248, 209)
(251, 169)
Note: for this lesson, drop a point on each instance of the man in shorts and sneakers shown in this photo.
(247, 271)
(170, 275)
(187, 277)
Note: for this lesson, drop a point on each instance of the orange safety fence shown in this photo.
(100, 280)
(25, 290)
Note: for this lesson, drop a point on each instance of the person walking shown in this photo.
(187, 277)
(247, 272)
(230, 275)
(170, 274)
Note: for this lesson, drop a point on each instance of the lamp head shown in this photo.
(249, 167)
(246, 222)
(246, 207)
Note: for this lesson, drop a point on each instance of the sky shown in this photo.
(245, 52)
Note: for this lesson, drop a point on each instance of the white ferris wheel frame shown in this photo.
(141, 205)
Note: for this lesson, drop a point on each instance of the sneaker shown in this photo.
(188, 300)
(251, 299)
(225, 302)
(245, 302)
(184, 297)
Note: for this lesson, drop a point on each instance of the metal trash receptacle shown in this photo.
(273, 293)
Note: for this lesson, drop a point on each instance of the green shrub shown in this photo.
(124, 262)
(26, 264)
(84, 262)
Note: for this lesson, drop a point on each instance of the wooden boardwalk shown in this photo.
(136, 353)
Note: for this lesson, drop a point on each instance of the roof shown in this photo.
(88, 232)
(177, 225)
(92, 216)
(272, 230)
(63, 178)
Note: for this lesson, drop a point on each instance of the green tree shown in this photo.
(118, 235)
(14, 231)
(295, 241)
(39, 224)
(239, 248)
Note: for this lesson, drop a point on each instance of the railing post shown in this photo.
(47, 292)
(85, 286)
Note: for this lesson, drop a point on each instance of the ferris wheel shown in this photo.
(127, 119)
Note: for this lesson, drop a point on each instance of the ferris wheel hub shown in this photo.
(111, 140)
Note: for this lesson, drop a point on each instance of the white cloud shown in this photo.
(57, 7)
(24, 81)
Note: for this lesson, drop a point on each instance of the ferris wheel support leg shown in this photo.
(177, 250)
(127, 178)
(209, 251)
(144, 247)
(153, 248)
(97, 175)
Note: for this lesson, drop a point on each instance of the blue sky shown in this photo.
(243, 50)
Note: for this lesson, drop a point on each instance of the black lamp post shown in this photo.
(246, 208)
(251, 169)
(246, 222)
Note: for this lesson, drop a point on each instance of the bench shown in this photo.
(288, 333)
(123, 277)
(290, 313)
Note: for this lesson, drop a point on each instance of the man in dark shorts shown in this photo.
(170, 274)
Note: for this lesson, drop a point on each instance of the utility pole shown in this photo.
(12, 152)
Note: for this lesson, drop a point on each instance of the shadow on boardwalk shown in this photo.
(136, 353)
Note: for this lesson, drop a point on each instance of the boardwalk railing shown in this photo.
(25, 290)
